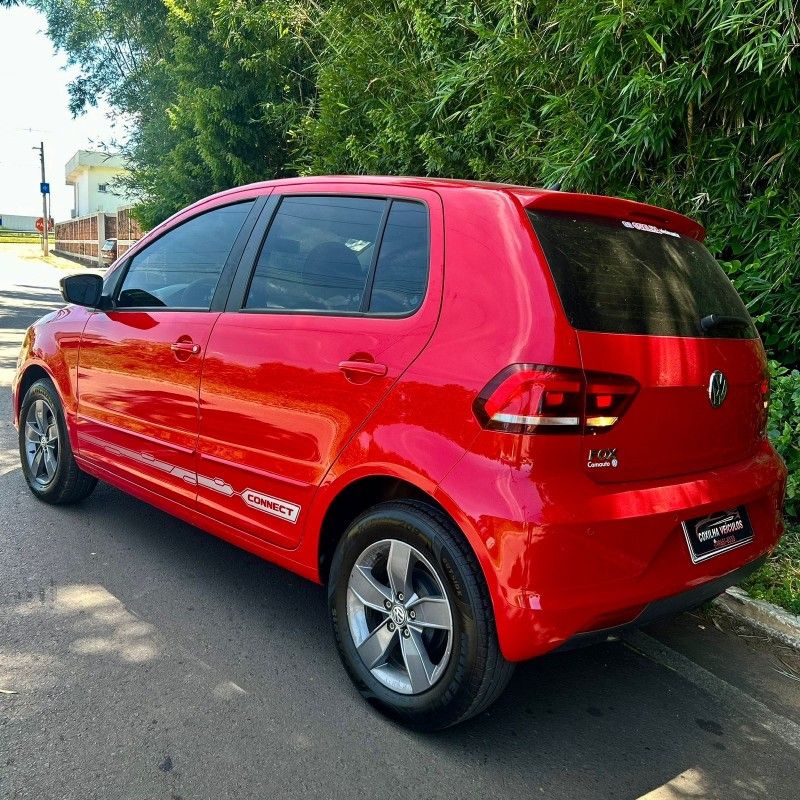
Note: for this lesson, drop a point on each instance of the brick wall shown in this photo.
(128, 230)
(80, 239)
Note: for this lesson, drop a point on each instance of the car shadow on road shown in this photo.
(599, 722)
(34, 300)
(18, 310)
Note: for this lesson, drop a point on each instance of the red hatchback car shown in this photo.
(495, 420)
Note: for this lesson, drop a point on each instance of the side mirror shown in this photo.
(83, 290)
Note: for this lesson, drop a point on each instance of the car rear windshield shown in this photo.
(626, 277)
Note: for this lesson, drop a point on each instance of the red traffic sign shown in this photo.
(40, 224)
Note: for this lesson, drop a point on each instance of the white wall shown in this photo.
(110, 200)
(82, 194)
(17, 222)
(88, 196)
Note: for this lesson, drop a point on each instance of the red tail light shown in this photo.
(607, 399)
(535, 398)
(763, 391)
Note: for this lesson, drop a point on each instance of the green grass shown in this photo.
(19, 238)
(778, 581)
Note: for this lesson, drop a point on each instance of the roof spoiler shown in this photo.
(616, 208)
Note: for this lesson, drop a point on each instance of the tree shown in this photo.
(210, 89)
(240, 83)
(690, 104)
(119, 46)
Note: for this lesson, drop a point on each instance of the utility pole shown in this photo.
(45, 217)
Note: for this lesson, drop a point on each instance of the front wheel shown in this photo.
(412, 617)
(44, 449)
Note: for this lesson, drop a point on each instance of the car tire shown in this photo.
(45, 452)
(437, 661)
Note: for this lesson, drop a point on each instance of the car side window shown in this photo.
(401, 273)
(181, 269)
(317, 254)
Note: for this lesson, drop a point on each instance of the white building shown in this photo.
(17, 222)
(94, 178)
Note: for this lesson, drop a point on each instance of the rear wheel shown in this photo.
(45, 452)
(413, 619)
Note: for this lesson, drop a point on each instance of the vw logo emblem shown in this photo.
(399, 615)
(717, 388)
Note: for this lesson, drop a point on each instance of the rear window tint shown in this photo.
(317, 254)
(617, 279)
(401, 274)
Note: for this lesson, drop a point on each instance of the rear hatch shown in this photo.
(652, 304)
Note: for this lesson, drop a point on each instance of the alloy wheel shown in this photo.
(41, 442)
(399, 616)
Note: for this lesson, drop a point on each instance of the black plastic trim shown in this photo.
(366, 296)
(240, 285)
(228, 274)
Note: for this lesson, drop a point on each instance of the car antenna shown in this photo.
(554, 187)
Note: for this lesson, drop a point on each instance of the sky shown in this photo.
(34, 107)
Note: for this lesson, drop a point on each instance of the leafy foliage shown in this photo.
(237, 81)
(690, 104)
(778, 580)
(119, 46)
(211, 89)
(784, 429)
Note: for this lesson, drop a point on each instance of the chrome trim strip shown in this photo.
(520, 419)
(265, 503)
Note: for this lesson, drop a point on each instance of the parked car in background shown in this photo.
(108, 252)
(494, 420)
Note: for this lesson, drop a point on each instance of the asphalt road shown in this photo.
(142, 658)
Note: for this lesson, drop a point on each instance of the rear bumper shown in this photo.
(570, 557)
(666, 607)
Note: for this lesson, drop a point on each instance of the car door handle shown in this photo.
(364, 367)
(189, 348)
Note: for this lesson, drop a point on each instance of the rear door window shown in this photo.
(401, 273)
(621, 277)
(317, 254)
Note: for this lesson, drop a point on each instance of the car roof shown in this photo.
(530, 197)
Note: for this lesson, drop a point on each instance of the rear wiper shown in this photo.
(712, 321)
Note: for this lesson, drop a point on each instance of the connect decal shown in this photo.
(271, 505)
(267, 504)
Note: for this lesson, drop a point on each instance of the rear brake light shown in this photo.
(607, 399)
(535, 398)
(763, 390)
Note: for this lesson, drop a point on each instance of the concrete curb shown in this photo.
(730, 696)
(765, 617)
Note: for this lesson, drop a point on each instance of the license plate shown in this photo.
(717, 533)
